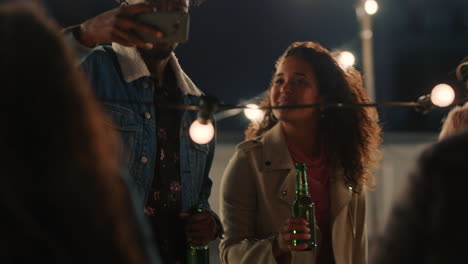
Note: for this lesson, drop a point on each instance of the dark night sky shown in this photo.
(233, 45)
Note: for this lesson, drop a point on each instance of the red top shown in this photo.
(318, 181)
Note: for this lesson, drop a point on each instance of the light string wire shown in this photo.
(225, 107)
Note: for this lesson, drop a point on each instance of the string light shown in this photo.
(418, 103)
(442, 95)
(201, 133)
(253, 113)
(371, 7)
(346, 59)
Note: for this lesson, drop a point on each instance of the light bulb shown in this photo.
(253, 113)
(442, 95)
(346, 59)
(200, 133)
(371, 7)
(366, 34)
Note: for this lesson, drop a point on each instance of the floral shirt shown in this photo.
(163, 203)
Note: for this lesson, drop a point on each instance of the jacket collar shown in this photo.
(275, 151)
(276, 157)
(133, 67)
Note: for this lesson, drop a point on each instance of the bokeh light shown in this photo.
(442, 95)
(253, 113)
(200, 133)
(371, 7)
(346, 59)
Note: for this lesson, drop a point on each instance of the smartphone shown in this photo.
(173, 24)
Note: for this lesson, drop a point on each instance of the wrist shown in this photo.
(79, 32)
(219, 226)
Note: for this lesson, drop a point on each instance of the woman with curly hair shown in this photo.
(339, 147)
(62, 197)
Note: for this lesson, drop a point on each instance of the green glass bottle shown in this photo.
(198, 254)
(303, 206)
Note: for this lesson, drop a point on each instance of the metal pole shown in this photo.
(375, 201)
(366, 35)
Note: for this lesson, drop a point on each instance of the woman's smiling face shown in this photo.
(294, 82)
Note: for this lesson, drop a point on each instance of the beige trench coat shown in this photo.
(257, 190)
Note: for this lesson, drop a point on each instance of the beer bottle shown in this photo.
(303, 206)
(198, 254)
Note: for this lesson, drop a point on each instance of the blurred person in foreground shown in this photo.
(62, 198)
(455, 122)
(426, 224)
(339, 147)
(132, 78)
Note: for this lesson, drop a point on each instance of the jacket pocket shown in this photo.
(125, 122)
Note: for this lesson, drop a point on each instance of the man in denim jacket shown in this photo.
(168, 172)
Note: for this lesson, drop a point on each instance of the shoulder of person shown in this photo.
(101, 53)
(250, 144)
(451, 149)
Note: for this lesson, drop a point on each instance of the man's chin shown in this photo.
(159, 52)
(155, 54)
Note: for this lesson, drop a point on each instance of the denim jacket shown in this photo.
(123, 83)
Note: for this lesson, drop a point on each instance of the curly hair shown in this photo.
(352, 135)
(61, 195)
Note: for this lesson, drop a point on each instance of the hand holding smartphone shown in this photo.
(173, 24)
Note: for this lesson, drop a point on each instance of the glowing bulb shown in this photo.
(371, 7)
(366, 34)
(442, 95)
(253, 113)
(200, 133)
(346, 59)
